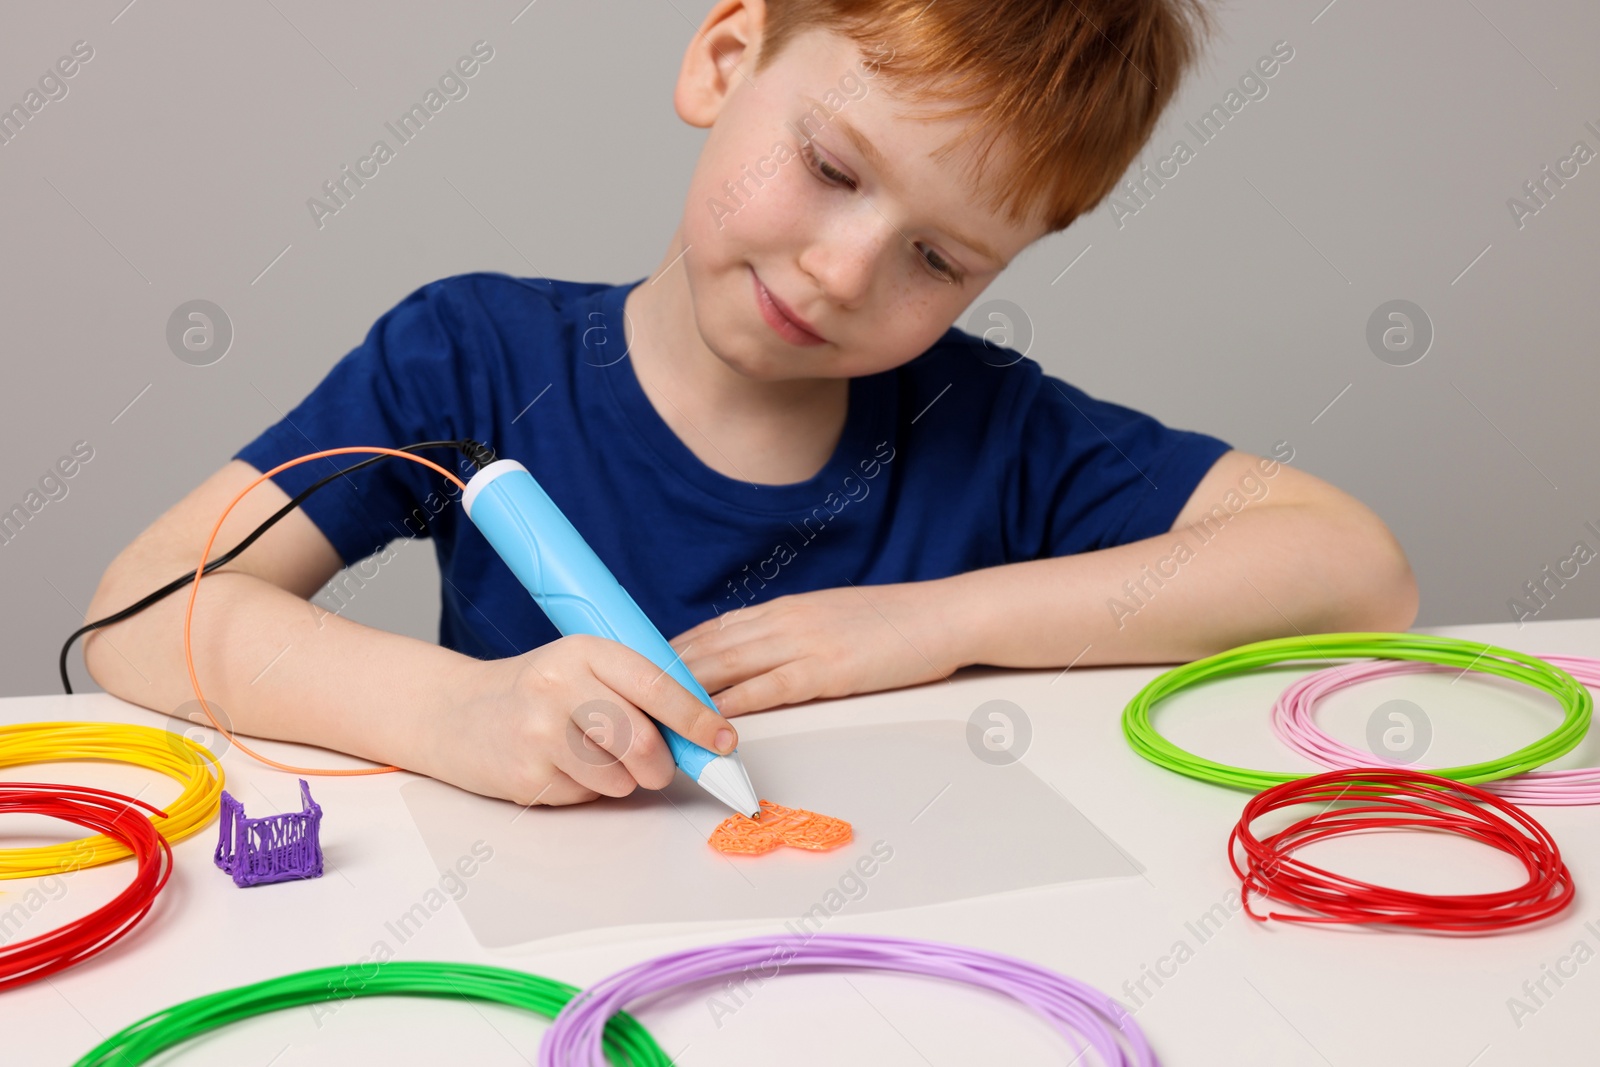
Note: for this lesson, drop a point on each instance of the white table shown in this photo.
(1239, 992)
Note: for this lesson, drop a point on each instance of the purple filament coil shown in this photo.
(1084, 1016)
(272, 848)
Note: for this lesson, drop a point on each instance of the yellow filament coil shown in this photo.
(172, 754)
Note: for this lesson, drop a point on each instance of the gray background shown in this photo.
(1377, 167)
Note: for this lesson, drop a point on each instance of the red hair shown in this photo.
(1073, 87)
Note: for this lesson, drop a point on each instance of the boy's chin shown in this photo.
(773, 363)
(758, 366)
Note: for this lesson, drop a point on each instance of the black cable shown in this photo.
(481, 455)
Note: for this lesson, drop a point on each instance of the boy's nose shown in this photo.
(844, 261)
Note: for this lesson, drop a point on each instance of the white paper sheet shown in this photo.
(932, 823)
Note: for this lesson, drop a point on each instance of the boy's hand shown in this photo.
(565, 723)
(828, 643)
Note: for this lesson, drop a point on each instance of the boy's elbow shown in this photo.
(94, 662)
(1394, 605)
(120, 585)
(94, 652)
(1383, 595)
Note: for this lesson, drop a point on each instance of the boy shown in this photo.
(778, 443)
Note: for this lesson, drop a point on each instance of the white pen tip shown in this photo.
(726, 779)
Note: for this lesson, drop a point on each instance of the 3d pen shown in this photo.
(581, 596)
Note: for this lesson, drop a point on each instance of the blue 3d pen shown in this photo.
(581, 596)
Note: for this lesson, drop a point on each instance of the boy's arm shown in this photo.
(562, 723)
(273, 663)
(1303, 557)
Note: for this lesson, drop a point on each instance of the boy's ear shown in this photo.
(728, 39)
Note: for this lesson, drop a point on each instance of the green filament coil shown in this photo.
(626, 1041)
(1574, 699)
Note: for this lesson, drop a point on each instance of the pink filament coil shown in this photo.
(1294, 721)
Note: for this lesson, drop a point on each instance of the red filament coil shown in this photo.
(1382, 799)
(111, 814)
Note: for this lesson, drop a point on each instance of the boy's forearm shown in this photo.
(279, 667)
(1272, 571)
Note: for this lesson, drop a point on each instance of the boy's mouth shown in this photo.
(784, 322)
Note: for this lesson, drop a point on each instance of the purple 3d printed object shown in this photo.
(273, 848)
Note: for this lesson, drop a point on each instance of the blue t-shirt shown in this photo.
(967, 456)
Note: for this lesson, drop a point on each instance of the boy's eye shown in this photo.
(941, 266)
(827, 170)
(834, 176)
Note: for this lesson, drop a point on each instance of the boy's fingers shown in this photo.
(647, 757)
(718, 665)
(712, 625)
(561, 790)
(616, 732)
(655, 692)
(592, 767)
(788, 683)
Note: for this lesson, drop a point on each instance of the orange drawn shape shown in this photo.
(778, 825)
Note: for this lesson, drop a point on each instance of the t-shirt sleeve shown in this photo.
(1091, 474)
(406, 383)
